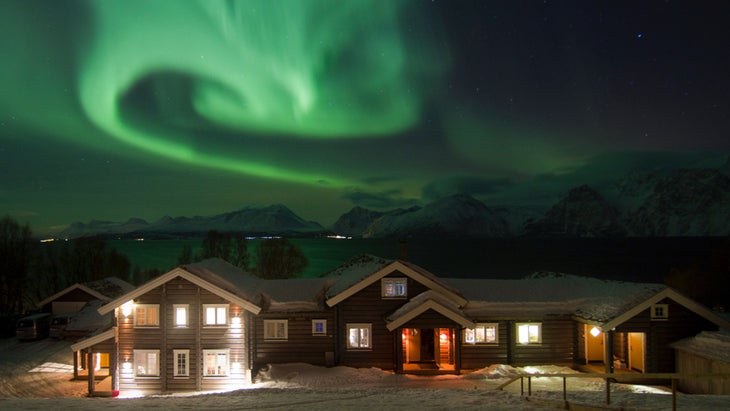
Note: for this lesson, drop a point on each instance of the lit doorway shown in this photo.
(637, 348)
(428, 349)
(595, 348)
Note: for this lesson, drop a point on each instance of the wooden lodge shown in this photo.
(211, 326)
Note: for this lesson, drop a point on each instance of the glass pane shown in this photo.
(480, 335)
(181, 315)
(364, 338)
(221, 315)
(210, 315)
(469, 336)
(354, 340)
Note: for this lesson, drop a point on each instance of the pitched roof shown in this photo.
(294, 294)
(427, 300)
(356, 277)
(712, 345)
(103, 335)
(214, 275)
(105, 289)
(550, 293)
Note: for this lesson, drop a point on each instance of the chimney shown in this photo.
(403, 250)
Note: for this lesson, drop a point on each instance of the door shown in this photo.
(636, 351)
(428, 344)
(595, 349)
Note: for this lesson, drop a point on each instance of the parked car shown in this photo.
(33, 327)
(58, 325)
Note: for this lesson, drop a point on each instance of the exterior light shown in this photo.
(595, 331)
(127, 308)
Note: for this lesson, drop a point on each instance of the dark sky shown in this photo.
(117, 109)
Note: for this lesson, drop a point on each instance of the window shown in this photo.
(216, 314)
(276, 329)
(529, 333)
(660, 311)
(319, 327)
(394, 287)
(215, 363)
(147, 315)
(482, 334)
(181, 315)
(181, 364)
(146, 363)
(358, 335)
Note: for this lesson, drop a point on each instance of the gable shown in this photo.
(409, 312)
(675, 296)
(187, 275)
(398, 269)
(76, 292)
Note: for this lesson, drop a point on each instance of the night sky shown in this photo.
(117, 109)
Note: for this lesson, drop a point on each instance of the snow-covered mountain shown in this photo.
(273, 219)
(453, 216)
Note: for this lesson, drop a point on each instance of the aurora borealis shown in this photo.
(116, 109)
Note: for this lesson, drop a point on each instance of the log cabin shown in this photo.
(211, 326)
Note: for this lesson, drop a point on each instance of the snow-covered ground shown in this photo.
(37, 375)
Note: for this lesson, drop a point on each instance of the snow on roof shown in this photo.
(422, 298)
(295, 294)
(711, 345)
(227, 277)
(353, 271)
(551, 293)
(111, 287)
(89, 319)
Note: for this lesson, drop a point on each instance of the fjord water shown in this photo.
(626, 259)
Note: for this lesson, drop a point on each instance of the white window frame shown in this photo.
(394, 287)
(318, 322)
(142, 359)
(660, 312)
(276, 330)
(145, 323)
(176, 319)
(472, 335)
(362, 329)
(176, 371)
(220, 314)
(524, 332)
(217, 353)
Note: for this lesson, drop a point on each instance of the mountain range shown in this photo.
(682, 202)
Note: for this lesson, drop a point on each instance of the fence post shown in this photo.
(565, 391)
(674, 394)
(608, 391)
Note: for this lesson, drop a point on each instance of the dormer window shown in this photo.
(394, 287)
(660, 312)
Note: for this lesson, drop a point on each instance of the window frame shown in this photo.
(528, 324)
(359, 327)
(474, 341)
(324, 326)
(137, 354)
(176, 365)
(215, 307)
(185, 307)
(395, 282)
(663, 316)
(146, 307)
(275, 323)
(217, 352)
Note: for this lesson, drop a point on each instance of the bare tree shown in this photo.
(278, 258)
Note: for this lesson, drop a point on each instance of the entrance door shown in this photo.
(636, 351)
(427, 345)
(595, 350)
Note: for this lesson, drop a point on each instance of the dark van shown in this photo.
(33, 327)
(58, 325)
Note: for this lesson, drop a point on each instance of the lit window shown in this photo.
(276, 329)
(181, 315)
(147, 315)
(147, 363)
(659, 311)
(216, 314)
(319, 327)
(181, 365)
(394, 287)
(358, 335)
(481, 334)
(529, 333)
(215, 363)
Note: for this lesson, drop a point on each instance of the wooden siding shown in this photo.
(660, 334)
(301, 345)
(196, 337)
(689, 363)
(559, 340)
(367, 306)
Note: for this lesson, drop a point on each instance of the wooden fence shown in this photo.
(612, 378)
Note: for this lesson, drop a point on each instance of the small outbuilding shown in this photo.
(705, 353)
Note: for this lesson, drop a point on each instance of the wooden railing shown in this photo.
(610, 378)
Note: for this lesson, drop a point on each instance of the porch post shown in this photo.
(90, 369)
(76, 365)
(609, 352)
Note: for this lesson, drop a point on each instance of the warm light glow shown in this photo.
(595, 331)
(444, 337)
(127, 308)
(127, 366)
(97, 361)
